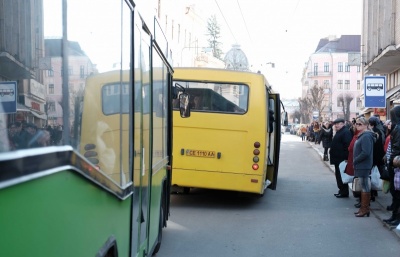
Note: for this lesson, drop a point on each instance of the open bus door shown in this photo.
(275, 118)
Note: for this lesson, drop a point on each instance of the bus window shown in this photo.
(217, 97)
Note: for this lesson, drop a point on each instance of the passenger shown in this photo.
(350, 166)
(338, 153)
(32, 136)
(197, 104)
(326, 135)
(394, 220)
(363, 161)
(376, 126)
(303, 131)
(316, 130)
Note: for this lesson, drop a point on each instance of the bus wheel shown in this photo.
(186, 190)
(160, 228)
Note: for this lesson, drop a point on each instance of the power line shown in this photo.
(225, 21)
(244, 21)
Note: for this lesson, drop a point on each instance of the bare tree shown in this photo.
(297, 116)
(345, 100)
(214, 35)
(317, 95)
(305, 109)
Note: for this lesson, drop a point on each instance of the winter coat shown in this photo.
(379, 151)
(363, 154)
(394, 135)
(349, 167)
(339, 146)
(325, 136)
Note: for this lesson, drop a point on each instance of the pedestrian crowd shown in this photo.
(23, 135)
(364, 144)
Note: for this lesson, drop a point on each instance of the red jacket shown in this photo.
(349, 166)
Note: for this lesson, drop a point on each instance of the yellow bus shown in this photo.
(232, 139)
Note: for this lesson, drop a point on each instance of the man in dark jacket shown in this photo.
(394, 220)
(339, 152)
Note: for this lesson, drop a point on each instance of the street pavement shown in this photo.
(378, 208)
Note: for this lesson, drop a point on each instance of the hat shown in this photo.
(338, 120)
(31, 125)
(373, 121)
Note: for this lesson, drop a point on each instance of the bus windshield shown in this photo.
(217, 97)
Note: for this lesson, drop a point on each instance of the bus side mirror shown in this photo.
(284, 119)
(184, 107)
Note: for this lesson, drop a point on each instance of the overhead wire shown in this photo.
(227, 24)
(244, 21)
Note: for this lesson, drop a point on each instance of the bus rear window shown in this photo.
(111, 98)
(217, 97)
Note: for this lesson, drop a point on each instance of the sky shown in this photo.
(284, 32)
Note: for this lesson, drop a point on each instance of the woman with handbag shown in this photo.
(363, 161)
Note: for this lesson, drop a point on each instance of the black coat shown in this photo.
(339, 146)
(325, 136)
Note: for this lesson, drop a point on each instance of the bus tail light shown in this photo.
(256, 152)
(91, 154)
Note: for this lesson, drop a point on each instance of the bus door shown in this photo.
(274, 138)
(141, 206)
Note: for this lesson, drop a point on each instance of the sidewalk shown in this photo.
(378, 208)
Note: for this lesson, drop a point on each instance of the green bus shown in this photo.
(94, 180)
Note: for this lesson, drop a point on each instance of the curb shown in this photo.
(380, 213)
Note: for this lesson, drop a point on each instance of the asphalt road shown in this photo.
(300, 218)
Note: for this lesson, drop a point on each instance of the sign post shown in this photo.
(375, 91)
(8, 96)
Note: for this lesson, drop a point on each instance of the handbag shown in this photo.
(356, 185)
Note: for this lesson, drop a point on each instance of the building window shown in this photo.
(358, 85)
(172, 29)
(50, 73)
(70, 70)
(340, 84)
(82, 72)
(359, 102)
(326, 66)
(347, 67)
(358, 68)
(347, 84)
(339, 103)
(326, 84)
(315, 69)
(51, 106)
(179, 32)
(340, 67)
(51, 89)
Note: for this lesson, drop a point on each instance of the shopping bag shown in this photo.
(396, 179)
(376, 182)
(345, 177)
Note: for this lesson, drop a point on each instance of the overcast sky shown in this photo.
(285, 32)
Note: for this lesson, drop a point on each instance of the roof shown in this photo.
(344, 44)
(53, 47)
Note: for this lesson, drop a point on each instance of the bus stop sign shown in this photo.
(8, 96)
(375, 91)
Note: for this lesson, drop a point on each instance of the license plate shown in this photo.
(200, 153)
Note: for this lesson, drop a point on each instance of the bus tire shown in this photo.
(160, 229)
(186, 190)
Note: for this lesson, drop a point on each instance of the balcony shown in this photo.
(319, 74)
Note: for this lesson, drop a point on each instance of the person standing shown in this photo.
(338, 153)
(394, 220)
(303, 131)
(363, 161)
(326, 135)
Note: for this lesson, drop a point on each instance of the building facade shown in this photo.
(330, 68)
(380, 52)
